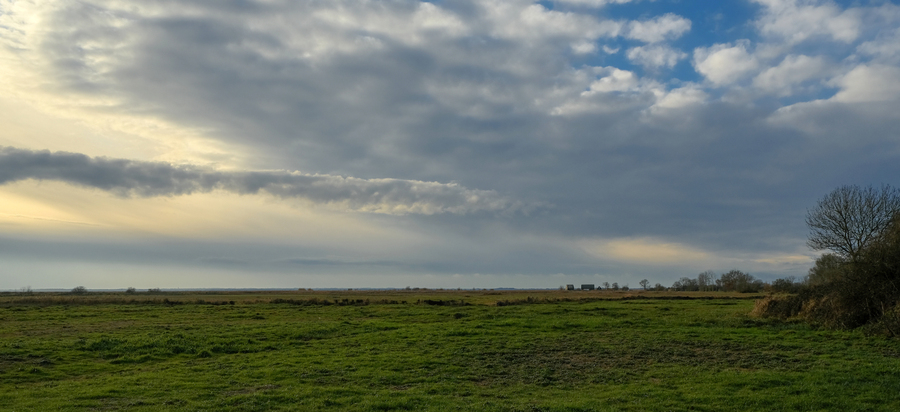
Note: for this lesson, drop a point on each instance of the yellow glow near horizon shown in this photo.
(654, 252)
(786, 260)
(30, 207)
(644, 250)
(54, 127)
(21, 213)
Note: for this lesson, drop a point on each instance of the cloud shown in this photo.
(885, 49)
(799, 20)
(613, 90)
(723, 64)
(312, 86)
(666, 27)
(655, 56)
(793, 70)
(522, 20)
(592, 3)
(616, 81)
(584, 47)
(869, 83)
(610, 50)
(148, 179)
(679, 98)
(514, 97)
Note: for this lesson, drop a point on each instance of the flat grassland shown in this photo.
(430, 350)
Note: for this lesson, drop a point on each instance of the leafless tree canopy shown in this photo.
(850, 218)
(707, 280)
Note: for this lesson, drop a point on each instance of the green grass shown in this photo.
(579, 355)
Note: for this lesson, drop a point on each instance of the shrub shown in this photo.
(826, 269)
(888, 324)
(79, 290)
(778, 306)
(848, 294)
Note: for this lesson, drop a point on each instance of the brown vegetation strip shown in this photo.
(355, 298)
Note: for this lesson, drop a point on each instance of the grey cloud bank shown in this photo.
(135, 178)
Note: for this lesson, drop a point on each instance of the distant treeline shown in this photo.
(731, 281)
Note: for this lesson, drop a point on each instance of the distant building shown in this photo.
(587, 286)
(570, 287)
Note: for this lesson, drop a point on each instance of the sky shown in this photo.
(444, 144)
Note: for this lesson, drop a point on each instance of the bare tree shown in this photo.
(687, 284)
(737, 281)
(707, 280)
(644, 283)
(850, 218)
(606, 285)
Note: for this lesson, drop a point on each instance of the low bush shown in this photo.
(847, 294)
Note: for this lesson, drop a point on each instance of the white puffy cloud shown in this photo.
(884, 49)
(616, 81)
(666, 27)
(723, 64)
(429, 17)
(592, 3)
(522, 20)
(869, 83)
(610, 50)
(608, 90)
(791, 29)
(655, 56)
(584, 47)
(799, 20)
(793, 70)
(679, 98)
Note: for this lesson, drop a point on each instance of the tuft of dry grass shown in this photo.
(778, 306)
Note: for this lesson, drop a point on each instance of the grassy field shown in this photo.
(430, 350)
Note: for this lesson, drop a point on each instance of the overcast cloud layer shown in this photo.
(506, 143)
